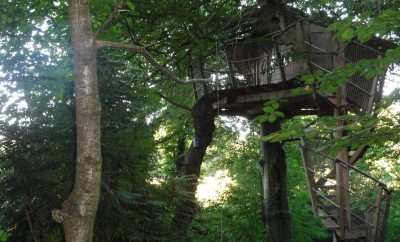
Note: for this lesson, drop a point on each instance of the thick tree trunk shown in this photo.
(203, 120)
(79, 210)
(274, 178)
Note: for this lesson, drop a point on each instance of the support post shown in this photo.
(342, 172)
(274, 180)
(307, 164)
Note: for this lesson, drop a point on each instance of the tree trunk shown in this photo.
(203, 121)
(180, 155)
(274, 177)
(79, 210)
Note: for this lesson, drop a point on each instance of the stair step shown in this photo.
(329, 186)
(324, 202)
(356, 233)
(330, 224)
(327, 219)
(329, 210)
(333, 216)
(331, 196)
(331, 175)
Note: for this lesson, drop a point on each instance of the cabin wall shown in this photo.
(322, 46)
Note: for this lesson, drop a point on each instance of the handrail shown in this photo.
(337, 160)
(349, 82)
(327, 52)
(368, 47)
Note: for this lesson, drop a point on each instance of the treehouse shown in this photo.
(278, 62)
(349, 202)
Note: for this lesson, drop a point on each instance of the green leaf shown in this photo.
(130, 6)
(347, 35)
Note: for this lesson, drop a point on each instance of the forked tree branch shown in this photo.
(143, 51)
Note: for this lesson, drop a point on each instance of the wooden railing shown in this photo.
(368, 199)
(361, 93)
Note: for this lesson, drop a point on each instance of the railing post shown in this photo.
(342, 194)
(342, 171)
(280, 63)
(309, 177)
(342, 174)
(387, 198)
(382, 210)
(377, 215)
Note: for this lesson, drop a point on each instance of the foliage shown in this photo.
(144, 135)
(3, 236)
(271, 112)
(237, 216)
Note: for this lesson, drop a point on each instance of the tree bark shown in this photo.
(274, 179)
(180, 155)
(203, 116)
(79, 210)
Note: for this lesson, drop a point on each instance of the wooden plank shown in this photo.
(333, 186)
(327, 220)
(265, 96)
(356, 233)
(330, 224)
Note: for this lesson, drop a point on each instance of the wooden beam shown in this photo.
(265, 96)
(342, 172)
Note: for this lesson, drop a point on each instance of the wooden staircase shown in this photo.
(357, 213)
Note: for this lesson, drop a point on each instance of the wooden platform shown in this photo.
(249, 101)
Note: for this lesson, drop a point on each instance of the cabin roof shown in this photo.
(257, 24)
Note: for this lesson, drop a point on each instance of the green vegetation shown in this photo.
(146, 127)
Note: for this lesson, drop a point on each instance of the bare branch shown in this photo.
(143, 51)
(174, 102)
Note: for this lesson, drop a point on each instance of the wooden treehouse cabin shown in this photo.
(349, 202)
